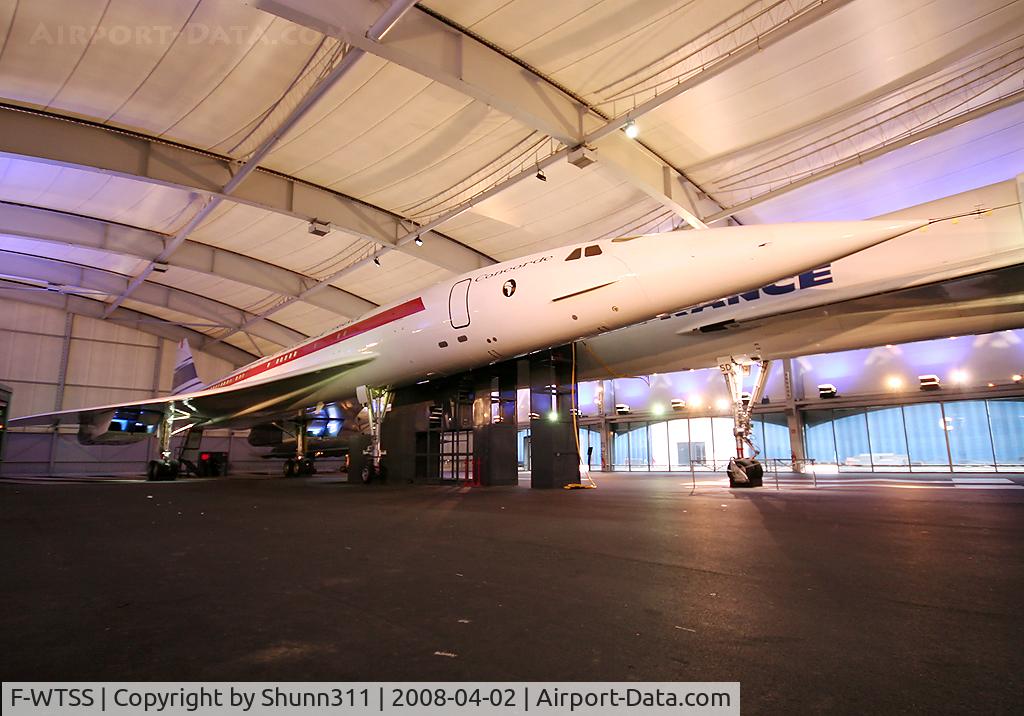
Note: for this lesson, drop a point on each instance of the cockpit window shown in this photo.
(588, 251)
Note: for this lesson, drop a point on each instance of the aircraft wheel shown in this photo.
(745, 472)
(290, 468)
(305, 467)
(368, 473)
(160, 470)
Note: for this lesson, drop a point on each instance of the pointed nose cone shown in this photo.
(829, 241)
(722, 262)
(768, 252)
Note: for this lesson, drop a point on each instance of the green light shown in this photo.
(657, 409)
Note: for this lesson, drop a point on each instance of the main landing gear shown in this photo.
(378, 403)
(744, 471)
(166, 469)
(299, 465)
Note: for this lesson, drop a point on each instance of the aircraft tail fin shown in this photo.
(185, 377)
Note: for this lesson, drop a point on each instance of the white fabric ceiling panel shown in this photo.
(395, 139)
(253, 344)
(278, 239)
(398, 276)
(572, 205)
(77, 191)
(850, 135)
(219, 289)
(985, 151)
(586, 45)
(851, 55)
(199, 72)
(309, 319)
(124, 265)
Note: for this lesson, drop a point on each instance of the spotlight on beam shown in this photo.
(540, 175)
(319, 228)
(376, 260)
(826, 390)
(929, 382)
(418, 241)
(631, 130)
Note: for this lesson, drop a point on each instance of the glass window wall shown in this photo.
(699, 443)
(1006, 418)
(958, 436)
(853, 450)
(888, 440)
(970, 441)
(926, 436)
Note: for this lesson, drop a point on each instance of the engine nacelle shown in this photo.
(265, 435)
(117, 427)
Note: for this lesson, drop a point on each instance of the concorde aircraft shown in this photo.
(488, 315)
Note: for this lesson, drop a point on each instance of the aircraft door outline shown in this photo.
(458, 303)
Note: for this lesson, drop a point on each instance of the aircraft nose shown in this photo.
(864, 234)
(829, 241)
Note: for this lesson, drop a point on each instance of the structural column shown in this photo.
(554, 459)
(494, 426)
(794, 419)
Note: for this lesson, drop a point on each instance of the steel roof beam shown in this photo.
(91, 308)
(64, 276)
(383, 24)
(57, 227)
(430, 47)
(40, 136)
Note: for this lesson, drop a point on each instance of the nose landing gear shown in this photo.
(744, 471)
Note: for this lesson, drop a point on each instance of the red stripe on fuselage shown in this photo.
(345, 332)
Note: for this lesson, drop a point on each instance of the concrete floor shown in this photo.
(841, 601)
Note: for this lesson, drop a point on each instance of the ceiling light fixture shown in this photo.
(631, 130)
(376, 260)
(319, 228)
(540, 175)
(418, 241)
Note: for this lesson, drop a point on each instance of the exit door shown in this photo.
(458, 303)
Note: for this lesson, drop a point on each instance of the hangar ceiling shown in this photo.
(162, 158)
